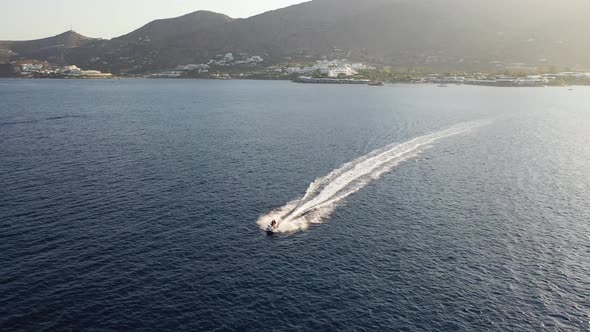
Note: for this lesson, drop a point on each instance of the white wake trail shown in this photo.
(324, 194)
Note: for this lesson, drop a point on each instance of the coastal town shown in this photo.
(43, 69)
(325, 71)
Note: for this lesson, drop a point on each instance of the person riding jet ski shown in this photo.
(272, 226)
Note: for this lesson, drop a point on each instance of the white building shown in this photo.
(228, 57)
(199, 67)
(344, 70)
(70, 71)
(95, 74)
(31, 67)
(167, 74)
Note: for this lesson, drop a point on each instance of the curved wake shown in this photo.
(323, 194)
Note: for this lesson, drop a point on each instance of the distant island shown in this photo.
(502, 42)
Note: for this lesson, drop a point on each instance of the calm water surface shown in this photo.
(132, 205)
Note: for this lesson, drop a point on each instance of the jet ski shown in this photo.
(270, 230)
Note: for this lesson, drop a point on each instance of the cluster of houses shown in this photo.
(221, 61)
(325, 68)
(329, 68)
(200, 68)
(481, 79)
(167, 74)
(502, 80)
(43, 69)
(574, 75)
(230, 60)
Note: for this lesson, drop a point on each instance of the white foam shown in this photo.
(325, 193)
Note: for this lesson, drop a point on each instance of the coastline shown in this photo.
(323, 81)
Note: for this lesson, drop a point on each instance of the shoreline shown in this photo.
(318, 81)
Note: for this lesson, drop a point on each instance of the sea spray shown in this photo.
(325, 193)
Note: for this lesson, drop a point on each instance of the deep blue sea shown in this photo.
(133, 205)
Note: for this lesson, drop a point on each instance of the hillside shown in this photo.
(47, 48)
(451, 34)
(424, 32)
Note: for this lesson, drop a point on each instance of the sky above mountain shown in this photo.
(111, 18)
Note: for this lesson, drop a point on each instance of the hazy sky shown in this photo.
(110, 18)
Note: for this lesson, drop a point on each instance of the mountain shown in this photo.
(166, 43)
(187, 26)
(47, 47)
(418, 32)
(443, 34)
